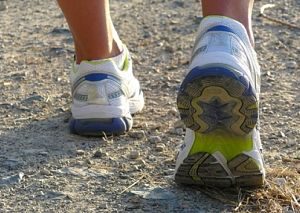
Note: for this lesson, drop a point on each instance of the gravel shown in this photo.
(69, 173)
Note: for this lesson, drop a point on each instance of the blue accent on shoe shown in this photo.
(96, 77)
(220, 28)
(99, 77)
(96, 127)
(199, 72)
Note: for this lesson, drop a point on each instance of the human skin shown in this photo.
(240, 10)
(93, 30)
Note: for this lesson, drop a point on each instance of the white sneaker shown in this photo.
(104, 97)
(218, 102)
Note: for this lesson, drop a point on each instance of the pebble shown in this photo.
(134, 155)
(60, 31)
(80, 152)
(32, 99)
(291, 64)
(280, 181)
(2, 205)
(155, 194)
(179, 3)
(98, 154)
(179, 131)
(89, 162)
(160, 147)
(170, 49)
(173, 111)
(282, 134)
(138, 134)
(44, 153)
(154, 139)
(12, 180)
(103, 206)
(179, 124)
(45, 172)
(55, 195)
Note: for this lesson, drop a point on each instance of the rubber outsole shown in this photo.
(217, 98)
(204, 169)
(100, 127)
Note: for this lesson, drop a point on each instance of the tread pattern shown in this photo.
(218, 101)
(205, 170)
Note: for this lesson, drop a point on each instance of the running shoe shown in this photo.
(104, 97)
(219, 103)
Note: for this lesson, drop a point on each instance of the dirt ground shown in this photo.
(44, 168)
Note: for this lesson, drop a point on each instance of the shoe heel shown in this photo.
(218, 98)
(100, 127)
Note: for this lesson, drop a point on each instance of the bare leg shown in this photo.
(92, 28)
(240, 10)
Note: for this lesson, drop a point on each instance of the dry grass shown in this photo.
(281, 193)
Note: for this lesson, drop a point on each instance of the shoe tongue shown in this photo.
(222, 23)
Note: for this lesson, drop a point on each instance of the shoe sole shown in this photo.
(213, 100)
(217, 98)
(205, 169)
(100, 127)
(107, 127)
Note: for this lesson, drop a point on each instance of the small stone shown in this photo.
(131, 206)
(60, 31)
(154, 139)
(45, 172)
(152, 158)
(291, 143)
(33, 98)
(44, 153)
(179, 3)
(103, 206)
(98, 154)
(170, 49)
(55, 195)
(65, 95)
(12, 180)
(7, 83)
(179, 131)
(138, 134)
(134, 155)
(282, 134)
(2, 205)
(141, 162)
(280, 181)
(160, 147)
(89, 162)
(291, 64)
(80, 152)
(155, 194)
(147, 34)
(179, 124)
(173, 111)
